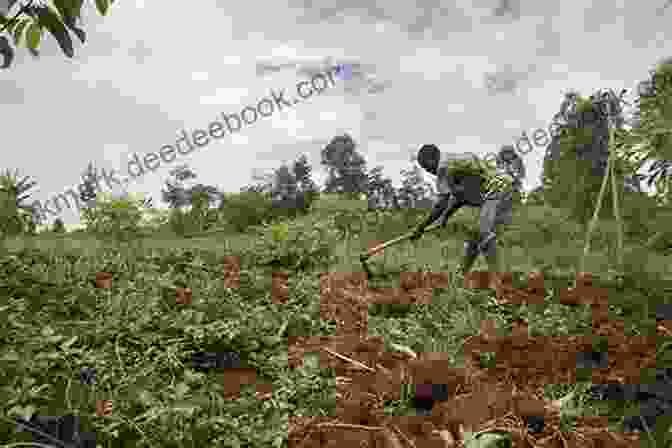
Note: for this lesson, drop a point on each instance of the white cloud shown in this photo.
(229, 96)
(200, 76)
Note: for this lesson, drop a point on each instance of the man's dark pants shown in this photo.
(495, 212)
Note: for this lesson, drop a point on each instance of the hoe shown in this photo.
(364, 257)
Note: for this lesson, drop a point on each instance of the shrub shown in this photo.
(177, 221)
(118, 217)
(640, 215)
(296, 246)
(245, 209)
(292, 207)
(155, 219)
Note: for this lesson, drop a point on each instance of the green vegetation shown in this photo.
(27, 23)
(55, 321)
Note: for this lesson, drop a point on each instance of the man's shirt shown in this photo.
(455, 167)
(514, 171)
(452, 168)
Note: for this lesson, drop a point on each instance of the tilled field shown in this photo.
(505, 397)
(501, 398)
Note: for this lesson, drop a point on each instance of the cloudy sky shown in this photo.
(467, 75)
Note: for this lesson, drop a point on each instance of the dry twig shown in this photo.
(406, 438)
(350, 360)
(349, 426)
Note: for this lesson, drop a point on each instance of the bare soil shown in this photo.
(481, 399)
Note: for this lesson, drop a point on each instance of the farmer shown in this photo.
(462, 179)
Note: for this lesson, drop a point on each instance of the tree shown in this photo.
(303, 174)
(581, 147)
(199, 197)
(175, 194)
(89, 187)
(248, 208)
(16, 216)
(116, 215)
(650, 139)
(345, 166)
(415, 191)
(284, 184)
(31, 19)
(381, 192)
(263, 184)
(292, 188)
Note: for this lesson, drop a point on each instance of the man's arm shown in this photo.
(447, 205)
(441, 205)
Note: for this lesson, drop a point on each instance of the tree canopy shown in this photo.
(26, 24)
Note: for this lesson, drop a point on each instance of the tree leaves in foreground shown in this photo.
(28, 24)
(651, 137)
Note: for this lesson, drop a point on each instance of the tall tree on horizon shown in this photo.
(175, 193)
(415, 191)
(345, 166)
(581, 147)
(381, 192)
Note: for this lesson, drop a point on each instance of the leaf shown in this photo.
(403, 349)
(55, 338)
(10, 356)
(18, 30)
(34, 35)
(77, 7)
(23, 411)
(102, 6)
(145, 398)
(81, 35)
(488, 440)
(181, 389)
(64, 8)
(70, 11)
(50, 20)
(66, 345)
(69, 8)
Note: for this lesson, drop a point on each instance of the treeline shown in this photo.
(290, 190)
(589, 129)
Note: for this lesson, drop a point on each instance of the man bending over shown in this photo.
(462, 179)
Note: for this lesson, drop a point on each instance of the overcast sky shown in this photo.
(152, 68)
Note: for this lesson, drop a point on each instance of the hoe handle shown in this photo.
(379, 248)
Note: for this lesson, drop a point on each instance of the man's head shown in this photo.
(428, 158)
(507, 153)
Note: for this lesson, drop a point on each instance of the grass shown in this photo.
(54, 321)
